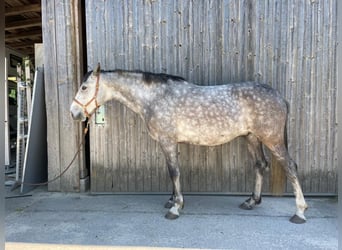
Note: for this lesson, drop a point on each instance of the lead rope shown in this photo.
(85, 131)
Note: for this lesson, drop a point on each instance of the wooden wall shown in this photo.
(62, 70)
(295, 50)
(290, 45)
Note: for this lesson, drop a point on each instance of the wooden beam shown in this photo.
(33, 22)
(22, 45)
(23, 35)
(18, 10)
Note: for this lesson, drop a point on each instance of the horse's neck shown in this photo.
(129, 92)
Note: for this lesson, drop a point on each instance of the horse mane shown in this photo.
(147, 77)
(85, 77)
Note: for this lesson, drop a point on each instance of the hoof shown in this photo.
(297, 220)
(246, 206)
(169, 204)
(250, 203)
(171, 216)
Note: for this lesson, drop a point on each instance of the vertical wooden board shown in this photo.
(99, 153)
(136, 122)
(105, 148)
(332, 132)
(225, 179)
(233, 169)
(62, 79)
(66, 74)
(219, 169)
(247, 183)
(202, 165)
(310, 107)
(192, 171)
(115, 144)
(225, 73)
(140, 154)
(125, 154)
(251, 40)
(211, 169)
(147, 166)
(331, 100)
(93, 173)
(154, 168)
(49, 35)
(162, 170)
(164, 179)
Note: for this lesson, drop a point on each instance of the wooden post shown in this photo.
(63, 64)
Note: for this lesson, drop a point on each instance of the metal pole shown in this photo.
(7, 130)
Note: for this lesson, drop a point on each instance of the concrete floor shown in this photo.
(211, 222)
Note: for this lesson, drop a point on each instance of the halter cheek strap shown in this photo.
(84, 106)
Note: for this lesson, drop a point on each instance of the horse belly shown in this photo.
(209, 133)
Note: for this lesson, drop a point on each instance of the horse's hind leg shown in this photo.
(176, 202)
(290, 167)
(257, 153)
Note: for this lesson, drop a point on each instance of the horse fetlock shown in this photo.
(173, 213)
(169, 204)
(302, 207)
(180, 203)
(175, 200)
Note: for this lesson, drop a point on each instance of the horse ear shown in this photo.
(98, 69)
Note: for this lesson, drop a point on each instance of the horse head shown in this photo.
(88, 97)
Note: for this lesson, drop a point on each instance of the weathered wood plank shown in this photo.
(49, 35)
(62, 75)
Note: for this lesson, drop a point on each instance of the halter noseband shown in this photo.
(84, 106)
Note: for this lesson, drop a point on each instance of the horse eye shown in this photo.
(84, 87)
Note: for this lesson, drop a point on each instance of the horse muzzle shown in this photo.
(77, 113)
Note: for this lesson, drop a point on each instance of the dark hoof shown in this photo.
(169, 204)
(297, 220)
(171, 216)
(246, 206)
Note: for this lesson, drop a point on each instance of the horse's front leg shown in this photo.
(176, 202)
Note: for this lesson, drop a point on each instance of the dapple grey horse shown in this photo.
(176, 111)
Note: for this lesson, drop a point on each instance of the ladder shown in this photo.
(23, 115)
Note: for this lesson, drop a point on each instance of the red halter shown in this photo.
(84, 106)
